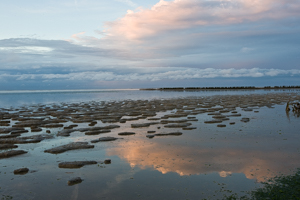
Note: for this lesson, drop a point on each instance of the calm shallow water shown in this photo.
(207, 162)
(31, 97)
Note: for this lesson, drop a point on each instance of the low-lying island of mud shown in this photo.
(191, 148)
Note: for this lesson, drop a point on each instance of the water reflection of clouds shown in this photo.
(191, 161)
(258, 152)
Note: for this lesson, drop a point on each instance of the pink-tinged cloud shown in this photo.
(184, 14)
(76, 36)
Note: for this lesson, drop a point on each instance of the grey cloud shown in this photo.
(55, 46)
(178, 74)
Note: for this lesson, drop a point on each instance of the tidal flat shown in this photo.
(201, 147)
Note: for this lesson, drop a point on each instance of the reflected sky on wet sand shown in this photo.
(206, 162)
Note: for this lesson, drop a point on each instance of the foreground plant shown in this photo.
(284, 187)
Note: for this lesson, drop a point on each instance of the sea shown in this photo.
(19, 98)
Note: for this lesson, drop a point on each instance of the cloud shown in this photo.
(167, 74)
(166, 16)
(29, 45)
(22, 51)
(172, 40)
(209, 29)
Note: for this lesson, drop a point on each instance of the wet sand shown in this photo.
(145, 149)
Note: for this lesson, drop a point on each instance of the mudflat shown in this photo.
(180, 147)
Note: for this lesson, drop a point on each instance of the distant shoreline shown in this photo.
(224, 88)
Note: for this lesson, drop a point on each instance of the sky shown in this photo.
(101, 44)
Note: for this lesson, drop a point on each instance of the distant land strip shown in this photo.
(224, 88)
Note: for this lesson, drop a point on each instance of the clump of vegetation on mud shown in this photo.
(283, 187)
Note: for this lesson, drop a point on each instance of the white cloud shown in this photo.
(171, 74)
(27, 49)
(276, 72)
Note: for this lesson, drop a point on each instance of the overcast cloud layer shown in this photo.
(170, 43)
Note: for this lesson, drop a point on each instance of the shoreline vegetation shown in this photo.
(224, 88)
(279, 187)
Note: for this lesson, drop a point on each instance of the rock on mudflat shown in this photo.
(245, 119)
(71, 146)
(9, 136)
(107, 161)
(53, 125)
(225, 119)
(179, 125)
(25, 140)
(18, 131)
(75, 164)
(176, 115)
(131, 119)
(97, 132)
(8, 130)
(105, 139)
(151, 131)
(122, 121)
(65, 132)
(8, 146)
(111, 126)
(189, 128)
(70, 126)
(89, 131)
(191, 117)
(234, 115)
(11, 153)
(74, 181)
(166, 134)
(140, 125)
(126, 133)
(214, 113)
(143, 125)
(36, 129)
(92, 123)
(21, 171)
(212, 121)
(221, 125)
